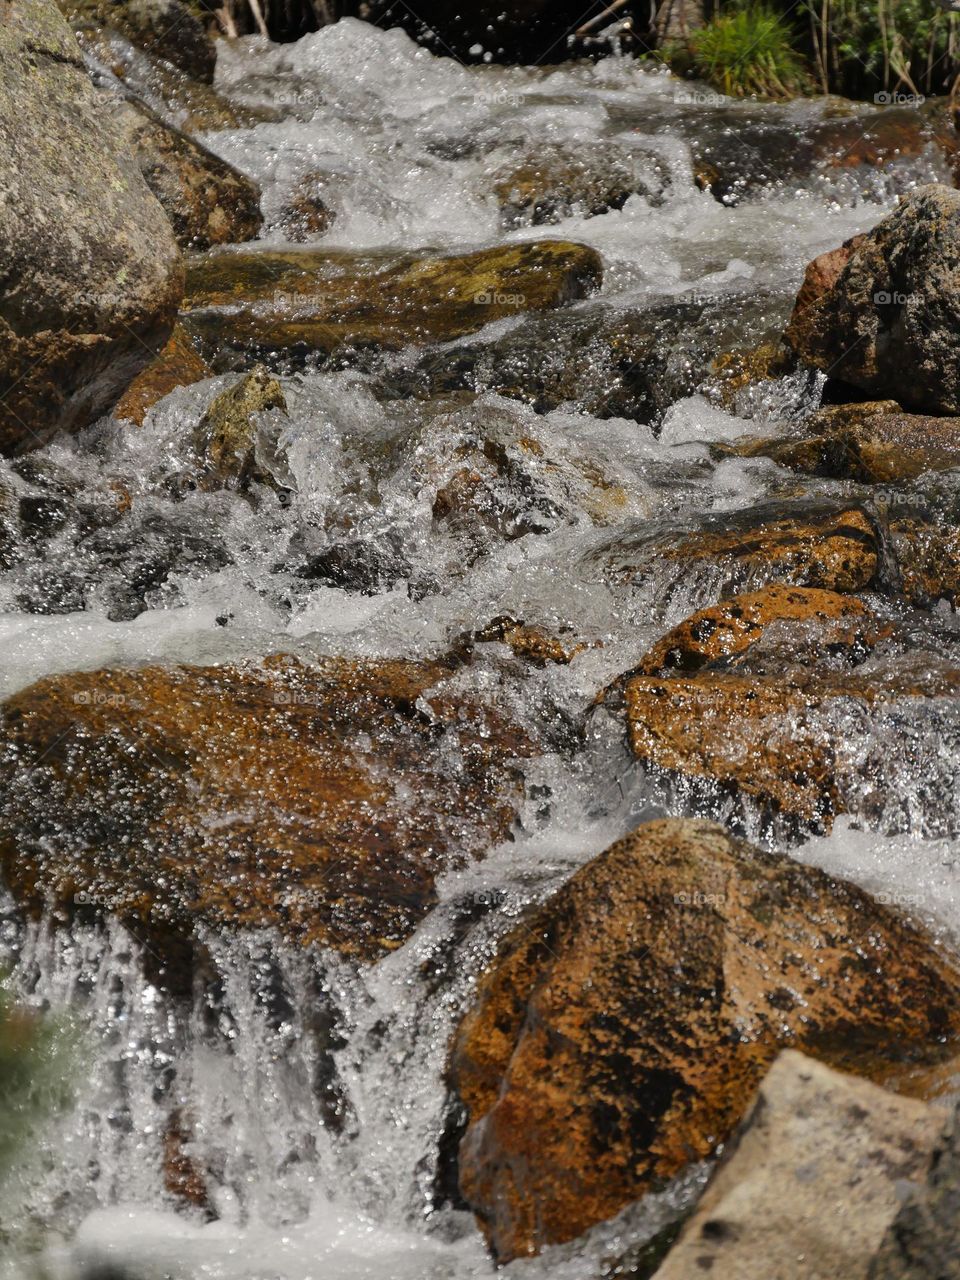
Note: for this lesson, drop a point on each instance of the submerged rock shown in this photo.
(93, 276)
(317, 799)
(226, 436)
(624, 1025)
(889, 322)
(872, 443)
(765, 705)
(809, 1183)
(561, 182)
(177, 364)
(314, 301)
(168, 29)
(208, 201)
(805, 543)
(304, 215)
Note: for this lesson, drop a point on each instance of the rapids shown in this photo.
(315, 1088)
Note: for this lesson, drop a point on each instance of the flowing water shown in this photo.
(314, 1087)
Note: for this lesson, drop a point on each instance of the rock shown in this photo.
(177, 364)
(93, 276)
(166, 29)
(923, 1241)
(810, 1182)
(796, 747)
(720, 633)
(304, 216)
(610, 363)
(924, 549)
(208, 201)
(561, 182)
(185, 103)
(737, 154)
(805, 542)
(226, 436)
(819, 279)
(623, 1026)
(320, 800)
(533, 644)
(889, 324)
(872, 443)
(316, 301)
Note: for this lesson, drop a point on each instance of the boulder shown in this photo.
(177, 364)
(889, 323)
(93, 275)
(810, 1182)
(326, 301)
(623, 1026)
(320, 799)
(167, 29)
(208, 201)
(720, 633)
(561, 182)
(872, 443)
(799, 748)
(304, 215)
(923, 1241)
(804, 542)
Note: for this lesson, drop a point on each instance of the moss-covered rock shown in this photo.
(318, 799)
(226, 436)
(92, 277)
(320, 301)
(560, 182)
(623, 1027)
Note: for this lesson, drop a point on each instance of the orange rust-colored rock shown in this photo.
(624, 1025)
(724, 630)
(772, 740)
(320, 800)
(178, 364)
(807, 544)
(818, 279)
(535, 644)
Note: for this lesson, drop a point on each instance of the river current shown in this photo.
(325, 1129)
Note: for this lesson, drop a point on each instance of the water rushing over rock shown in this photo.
(458, 552)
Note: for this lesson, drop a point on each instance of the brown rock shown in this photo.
(176, 365)
(166, 29)
(559, 182)
(819, 278)
(531, 643)
(772, 740)
(722, 631)
(320, 800)
(305, 216)
(324, 301)
(624, 1026)
(226, 434)
(872, 443)
(806, 543)
(208, 201)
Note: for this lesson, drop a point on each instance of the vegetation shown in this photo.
(747, 50)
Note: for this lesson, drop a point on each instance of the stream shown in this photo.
(315, 1085)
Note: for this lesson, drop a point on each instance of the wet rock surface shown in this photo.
(166, 29)
(558, 183)
(317, 799)
(177, 364)
(208, 201)
(887, 323)
(322, 302)
(810, 1182)
(623, 1027)
(95, 276)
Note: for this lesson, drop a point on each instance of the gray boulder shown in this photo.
(923, 1242)
(810, 1183)
(886, 318)
(90, 273)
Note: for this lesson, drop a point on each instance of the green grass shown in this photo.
(744, 52)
